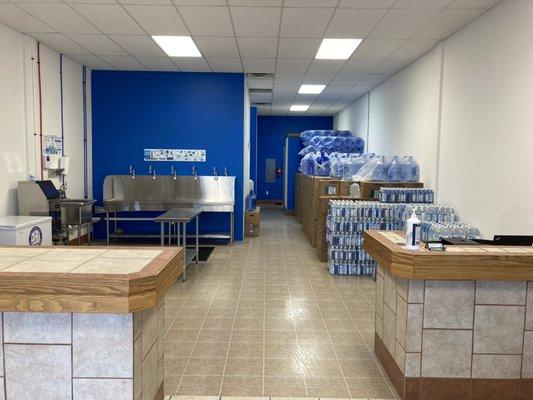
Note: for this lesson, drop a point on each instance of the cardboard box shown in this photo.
(253, 217)
(370, 190)
(344, 188)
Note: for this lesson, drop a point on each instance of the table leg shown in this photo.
(79, 235)
(197, 239)
(231, 227)
(169, 233)
(107, 227)
(162, 234)
(184, 239)
(116, 226)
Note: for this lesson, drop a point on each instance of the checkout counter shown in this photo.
(84, 323)
(454, 324)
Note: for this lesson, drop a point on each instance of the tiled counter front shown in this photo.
(456, 339)
(78, 356)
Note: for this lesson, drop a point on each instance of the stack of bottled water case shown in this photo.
(347, 219)
(406, 195)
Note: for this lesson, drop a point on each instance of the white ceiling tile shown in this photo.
(391, 66)
(20, 20)
(191, 64)
(448, 22)
(256, 21)
(98, 44)
(60, 43)
(283, 97)
(366, 3)
(292, 66)
(421, 3)
(474, 3)
(286, 89)
(61, 17)
(326, 66)
(353, 22)
(138, 45)
(311, 3)
(376, 48)
(332, 89)
(360, 66)
(373, 79)
(259, 65)
(298, 48)
(93, 62)
(288, 79)
(258, 3)
(412, 49)
(158, 20)
(225, 64)
(200, 2)
(207, 21)
(402, 23)
(213, 46)
(127, 63)
(305, 22)
(347, 79)
(110, 19)
(318, 79)
(157, 63)
(257, 47)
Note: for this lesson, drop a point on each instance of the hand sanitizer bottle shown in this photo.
(412, 235)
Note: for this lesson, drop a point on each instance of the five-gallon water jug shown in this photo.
(395, 170)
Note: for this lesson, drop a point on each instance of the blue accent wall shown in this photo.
(253, 145)
(137, 110)
(271, 133)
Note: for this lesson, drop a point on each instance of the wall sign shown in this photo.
(52, 144)
(174, 155)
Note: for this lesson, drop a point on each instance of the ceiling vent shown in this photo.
(259, 90)
(259, 75)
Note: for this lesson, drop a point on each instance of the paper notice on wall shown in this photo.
(174, 155)
(52, 144)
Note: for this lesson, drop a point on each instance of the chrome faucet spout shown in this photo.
(215, 173)
(132, 171)
(173, 172)
(195, 173)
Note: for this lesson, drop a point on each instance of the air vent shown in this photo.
(259, 76)
(258, 90)
(261, 103)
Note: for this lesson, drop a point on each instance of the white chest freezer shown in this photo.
(26, 231)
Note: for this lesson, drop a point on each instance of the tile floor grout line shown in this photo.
(186, 298)
(294, 325)
(235, 317)
(203, 322)
(324, 321)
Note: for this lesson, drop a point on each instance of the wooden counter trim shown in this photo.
(92, 293)
(446, 265)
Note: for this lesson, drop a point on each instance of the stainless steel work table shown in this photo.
(179, 218)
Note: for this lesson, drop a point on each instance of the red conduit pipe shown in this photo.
(40, 108)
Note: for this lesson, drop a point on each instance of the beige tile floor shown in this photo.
(265, 318)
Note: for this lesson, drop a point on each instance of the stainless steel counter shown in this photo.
(126, 193)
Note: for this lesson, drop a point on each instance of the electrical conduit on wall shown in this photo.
(40, 107)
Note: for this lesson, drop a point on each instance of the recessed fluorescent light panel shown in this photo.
(311, 89)
(337, 49)
(178, 46)
(299, 107)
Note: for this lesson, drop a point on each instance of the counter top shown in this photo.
(456, 263)
(87, 280)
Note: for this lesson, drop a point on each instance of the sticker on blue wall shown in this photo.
(174, 155)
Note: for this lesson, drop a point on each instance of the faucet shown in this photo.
(194, 173)
(132, 171)
(173, 172)
(215, 173)
(151, 171)
(226, 171)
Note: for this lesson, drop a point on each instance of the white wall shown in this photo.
(13, 163)
(486, 168)
(354, 118)
(19, 113)
(464, 110)
(404, 114)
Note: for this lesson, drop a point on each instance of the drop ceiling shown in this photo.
(278, 37)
